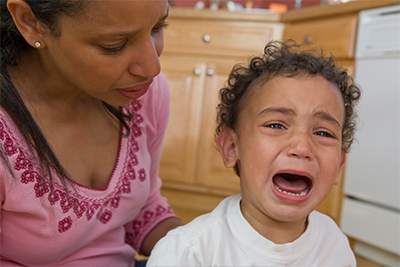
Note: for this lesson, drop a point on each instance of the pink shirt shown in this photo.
(91, 227)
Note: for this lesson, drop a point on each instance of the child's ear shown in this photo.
(226, 143)
(26, 22)
(343, 155)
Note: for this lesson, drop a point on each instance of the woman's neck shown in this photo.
(38, 86)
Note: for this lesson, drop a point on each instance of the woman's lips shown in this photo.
(136, 91)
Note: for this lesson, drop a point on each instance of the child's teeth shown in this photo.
(303, 193)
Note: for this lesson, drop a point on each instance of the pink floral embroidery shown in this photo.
(54, 197)
(147, 216)
(135, 146)
(29, 176)
(136, 131)
(113, 202)
(135, 106)
(125, 188)
(9, 149)
(80, 207)
(103, 209)
(41, 188)
(134, 161)
(22, 162)
(92, 210)
(138, 225)
(64, 224)
(138, 119)
(105, 216)
(65, 202)
(142, 175)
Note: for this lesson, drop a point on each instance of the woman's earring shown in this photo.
(37, 44)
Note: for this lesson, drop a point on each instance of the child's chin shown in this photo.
(292, 214)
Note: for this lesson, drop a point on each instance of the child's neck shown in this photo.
(275, 231)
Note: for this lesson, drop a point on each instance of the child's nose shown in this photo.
(301, 146)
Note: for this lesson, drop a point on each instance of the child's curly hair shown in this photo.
(289, 60)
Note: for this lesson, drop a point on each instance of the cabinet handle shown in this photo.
(210, 72)
(197, 71)
(308, 39)
(206, 38)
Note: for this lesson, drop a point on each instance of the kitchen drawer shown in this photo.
(336, 36)
(220, 38)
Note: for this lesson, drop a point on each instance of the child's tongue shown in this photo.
(293, 184)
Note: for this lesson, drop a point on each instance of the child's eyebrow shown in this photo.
(277, 110)
(324, 115)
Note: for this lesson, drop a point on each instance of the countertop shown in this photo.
(311, 12)
(314, 12)
(223, 14)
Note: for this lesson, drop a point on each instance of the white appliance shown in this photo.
(371, 210)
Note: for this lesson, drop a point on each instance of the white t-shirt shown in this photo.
(224, 238)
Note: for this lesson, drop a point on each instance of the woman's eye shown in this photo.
(324, 134)
(275, 126)
(115, 49)
(159, 28)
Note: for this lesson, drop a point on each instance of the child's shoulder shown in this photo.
(324, 226)
(209, 221)
(322, 219)
(193, 243)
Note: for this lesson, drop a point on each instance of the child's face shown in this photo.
(288, 147)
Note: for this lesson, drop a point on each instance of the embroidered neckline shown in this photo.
(102, 209)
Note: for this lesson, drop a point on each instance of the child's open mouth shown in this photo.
(291, 184)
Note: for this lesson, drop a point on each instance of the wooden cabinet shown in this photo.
(334, 29)
(336, 36)
(189, 153)
(201, 47)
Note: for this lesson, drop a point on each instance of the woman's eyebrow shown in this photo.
(131, 33)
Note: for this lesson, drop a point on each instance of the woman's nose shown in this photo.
(145, 61)
(301, 147)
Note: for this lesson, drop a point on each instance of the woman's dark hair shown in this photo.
(289, 60)
(13, 46)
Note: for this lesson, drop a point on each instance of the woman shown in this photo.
(83, 112)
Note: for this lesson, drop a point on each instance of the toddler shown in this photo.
(285, 123)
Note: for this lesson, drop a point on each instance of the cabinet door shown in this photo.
(180, 148)
(211, 170)
(334, 35)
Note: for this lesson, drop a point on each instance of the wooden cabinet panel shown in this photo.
(180, 147)
(211, 171)
(198, 56)
(335, 35)
(189, 152)
(223, 38)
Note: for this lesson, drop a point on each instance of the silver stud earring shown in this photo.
(37, 44)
